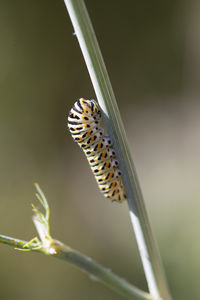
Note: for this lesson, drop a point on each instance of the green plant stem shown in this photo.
(12, 242)
(100, 273)
(91, 52)
(87, 265)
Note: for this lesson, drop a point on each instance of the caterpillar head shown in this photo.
(91, 107)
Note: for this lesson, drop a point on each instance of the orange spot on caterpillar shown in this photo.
(89, 133)
(107, 165)
(103, 154)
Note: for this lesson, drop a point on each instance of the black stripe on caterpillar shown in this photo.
(84, 125)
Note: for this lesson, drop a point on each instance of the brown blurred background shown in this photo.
(152, 52)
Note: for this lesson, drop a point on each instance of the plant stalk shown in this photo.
(91, 52)
(100, 273)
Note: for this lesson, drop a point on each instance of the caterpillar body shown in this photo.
(84, 125)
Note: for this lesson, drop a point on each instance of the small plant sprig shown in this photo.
(45, 244)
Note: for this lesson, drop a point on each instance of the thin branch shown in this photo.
(85, 263)
(103, 89)
(12, 241)
(45, 244)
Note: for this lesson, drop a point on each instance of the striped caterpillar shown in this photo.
(83, 123)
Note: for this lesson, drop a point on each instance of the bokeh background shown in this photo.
(152, 52)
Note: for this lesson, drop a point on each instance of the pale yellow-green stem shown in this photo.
(91, 52)
(85, 263)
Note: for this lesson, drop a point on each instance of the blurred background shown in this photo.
(152, 52)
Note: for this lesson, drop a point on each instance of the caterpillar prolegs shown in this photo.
(84, 125)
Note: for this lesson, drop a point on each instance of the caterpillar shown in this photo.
(84, 126)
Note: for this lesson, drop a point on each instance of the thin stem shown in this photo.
(100, 273)
(86, 264)
(12, 242)
(91, 52)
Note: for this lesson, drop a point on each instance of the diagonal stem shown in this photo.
(91, 52)
(85, 263)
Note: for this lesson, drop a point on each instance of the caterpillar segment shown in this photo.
(84, 126)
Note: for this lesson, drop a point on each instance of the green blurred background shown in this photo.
(151, 49)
